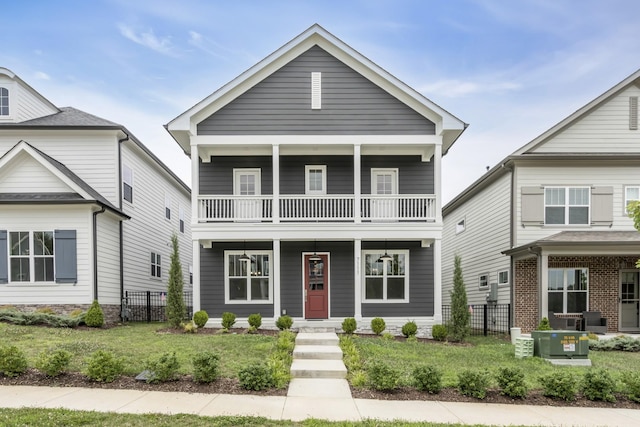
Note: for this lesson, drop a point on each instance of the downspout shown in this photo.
(95, 252)
(512, 225)
(121, 231)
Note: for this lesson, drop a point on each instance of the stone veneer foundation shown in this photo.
(111, 312)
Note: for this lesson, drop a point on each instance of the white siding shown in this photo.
(24, 104)
(27, 175)
(49, 218)
(604, 130)
(92, 155)
(108, 259)
(486, 235)
(602, 176)
(148, 230)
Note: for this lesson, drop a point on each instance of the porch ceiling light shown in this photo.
(244, 256)
(315, 257)
(386, 256)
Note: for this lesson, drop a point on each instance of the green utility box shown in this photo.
(560, 344)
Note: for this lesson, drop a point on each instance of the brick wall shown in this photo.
(604, 286)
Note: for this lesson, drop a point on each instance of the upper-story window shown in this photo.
(127, 183)
(631, 194)
(4, 101)
(167, 206)
(315, 179)
(181, 219)
(156, 265)
(461, 226)
(566, 205)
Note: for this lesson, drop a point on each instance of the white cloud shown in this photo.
(148, 39)
(40, 75)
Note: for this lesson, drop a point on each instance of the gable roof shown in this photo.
(13, 76)
(66, 117)
(184, 125)
(82, 190)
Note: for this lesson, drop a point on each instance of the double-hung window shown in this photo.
(631, 194)
(503, 278)
(566, 205)
(386, 280)
(483, 280)
(167, 206)
(4, 102)
(156, 265)
(248, 281)
(31, 256)
(181, 219)
(568, 290)
(127, 183)
(315, 179)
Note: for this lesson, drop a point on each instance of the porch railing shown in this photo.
(402, 207)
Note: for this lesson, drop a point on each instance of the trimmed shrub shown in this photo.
(511, 382)
(228, 320)
(103, 366)
(349, 325)
(388, 336)
(559, 385)
(163, 368)
(439, 332)
(409, 329)
(286, 341)
(54, 320)
(473, 383)
(427, 378)
(255, 377)
(350, 354)
(632, 385)
(544, 325)
(95, 316)
(189, 327)
(284, 322)
(255, 320)
(597, 384)
(200, 318)
(382, 376)
(13, 361)
(206, 367)
(53, 364)
(618, 343)
(377, 325)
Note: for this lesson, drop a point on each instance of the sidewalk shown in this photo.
(301, 408)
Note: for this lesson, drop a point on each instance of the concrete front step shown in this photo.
(319, 387)
(330, 352)
(322, 338)
(304, 368)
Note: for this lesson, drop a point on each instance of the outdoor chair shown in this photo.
(561, 322)
(593, 322)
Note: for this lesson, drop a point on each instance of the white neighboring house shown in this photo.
(317, 190)
(549, 224)
(86, 210)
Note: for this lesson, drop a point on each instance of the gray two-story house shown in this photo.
(316, 190)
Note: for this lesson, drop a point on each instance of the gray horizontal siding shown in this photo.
(420, 284)
(414, 175)
(212, 282)
(281, 104)
(217, 177)
(339, 173)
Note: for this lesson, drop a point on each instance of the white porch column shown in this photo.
(196, 276)
(275, 208)
(544, 285)
(437, 280)
(357, 279)
(437, 181)
(195, 184)
(275, 265)
(357, 185)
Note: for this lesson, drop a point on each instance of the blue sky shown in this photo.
(509, 68)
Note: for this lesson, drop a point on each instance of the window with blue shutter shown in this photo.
(66, 256)
(4, 258)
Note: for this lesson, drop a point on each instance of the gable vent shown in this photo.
(633, 113)
(316, 90)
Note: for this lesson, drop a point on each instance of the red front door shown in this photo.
(316, 286)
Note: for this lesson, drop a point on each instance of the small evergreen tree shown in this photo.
(95, 316)
(459, 325)
(175, 310)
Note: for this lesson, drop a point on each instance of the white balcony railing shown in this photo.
(404, 207)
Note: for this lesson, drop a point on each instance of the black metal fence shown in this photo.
(149, 306)
(486, 319)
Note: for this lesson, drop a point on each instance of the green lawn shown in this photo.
(136, 342)
(483, 353)
(63, 417)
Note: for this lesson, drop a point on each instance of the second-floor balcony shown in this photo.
(325, 208)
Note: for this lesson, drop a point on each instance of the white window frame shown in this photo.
(8, 98)
(378, 253)
(567, 204)
(503, 283)
(251, 254)
(181, 219)
(627, 199)
(237, 173)
(156, 265)
(566, 291)
(167, 207)
(486, 281)
(384, 171)
(461, 226)
(31, 256)
(307, 179)
(127, 179)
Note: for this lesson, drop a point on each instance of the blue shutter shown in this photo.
(66, 256)
(4, 258)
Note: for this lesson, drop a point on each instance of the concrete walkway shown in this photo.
(300, 408)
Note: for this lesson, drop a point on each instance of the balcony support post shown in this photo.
(195, 184)
(275, 208)
(357, 279)
(437, 181)
(357, 185)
